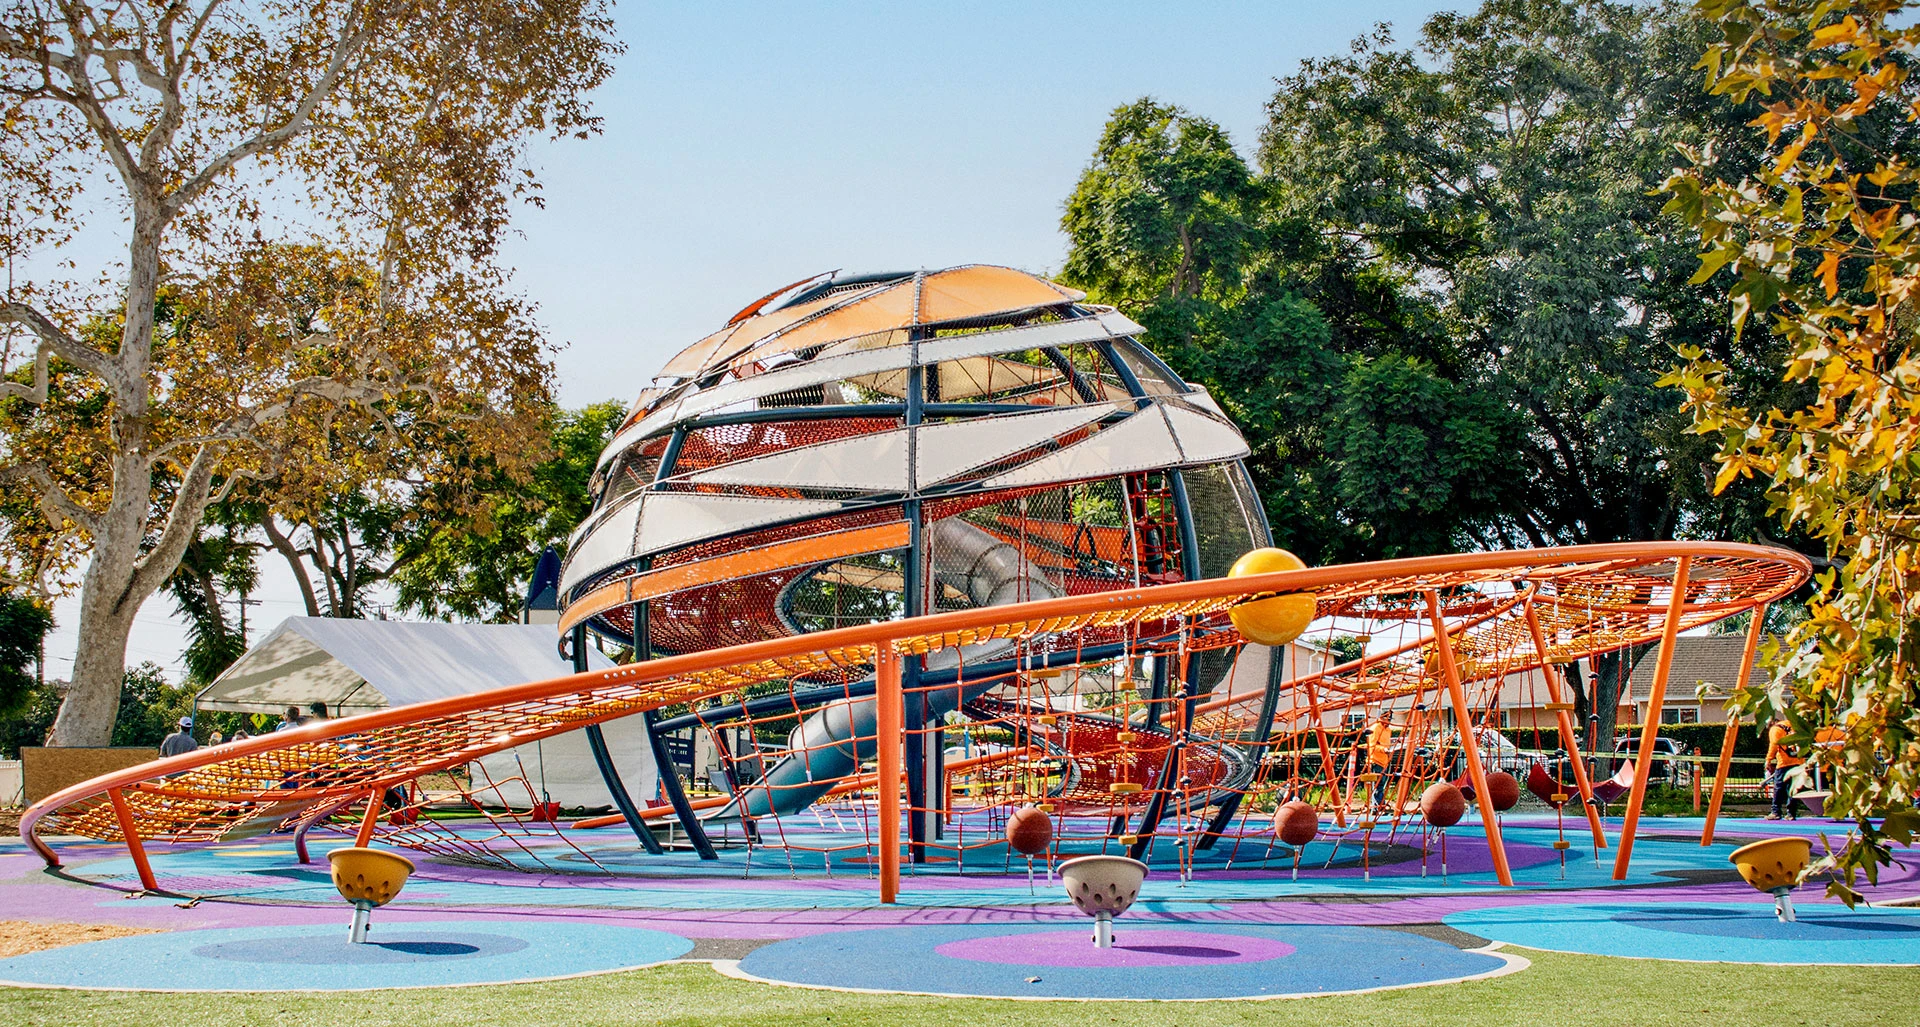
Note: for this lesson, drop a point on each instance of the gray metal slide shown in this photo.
(832, 743)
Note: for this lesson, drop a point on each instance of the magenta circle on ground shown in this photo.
(1132, 946)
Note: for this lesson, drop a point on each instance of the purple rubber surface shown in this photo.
(1133, 947)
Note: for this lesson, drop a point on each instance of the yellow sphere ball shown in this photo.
(1278, 620)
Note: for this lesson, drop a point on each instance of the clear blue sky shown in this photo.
(748, 145)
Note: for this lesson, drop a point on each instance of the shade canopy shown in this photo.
(358, 665)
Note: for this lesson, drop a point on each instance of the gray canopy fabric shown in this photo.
(358, 665)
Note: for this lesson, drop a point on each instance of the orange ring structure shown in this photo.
(1491, 614)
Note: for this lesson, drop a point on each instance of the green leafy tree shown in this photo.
(479, 569)
(150, 706)
(213, 567)
(1819, 243)
(1167, 208)
(24, 623)
(1504, 171)
(1324, 367)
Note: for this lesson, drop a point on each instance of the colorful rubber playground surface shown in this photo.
(248, 915)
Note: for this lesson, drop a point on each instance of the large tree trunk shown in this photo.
(119, 576)
(100, 663)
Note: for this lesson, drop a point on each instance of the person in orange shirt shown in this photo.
(1781, 758)
(1380, 754)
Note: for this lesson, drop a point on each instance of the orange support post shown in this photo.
(370, 820)
(1720, 780)
(889, 729)
(1326, 757)
(1650, 724)
(1469, 747)
(1696, 779)
(1570, 737)
(1416, 727)
(1754, 629)
(124, 814)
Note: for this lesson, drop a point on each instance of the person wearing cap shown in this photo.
(180, 741)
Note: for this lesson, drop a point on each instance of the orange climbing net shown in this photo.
(1138, 711)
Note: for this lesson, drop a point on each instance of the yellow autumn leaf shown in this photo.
(1843, 31)
(1829, 273)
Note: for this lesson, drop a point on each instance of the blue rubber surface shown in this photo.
(1325, 960)
(264, 869)
(319, 958)
(1711, 932)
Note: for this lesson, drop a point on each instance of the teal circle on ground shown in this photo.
(1729, 932)
(319, 957)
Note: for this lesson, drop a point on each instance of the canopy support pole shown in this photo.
(1754, 631)
(124, 814)
(1650, 724)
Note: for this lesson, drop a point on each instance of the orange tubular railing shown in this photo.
(201, 795)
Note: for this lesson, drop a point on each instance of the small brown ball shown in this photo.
(1296, 823)
(1503, 792)
(1029, 831)
(1442, 804)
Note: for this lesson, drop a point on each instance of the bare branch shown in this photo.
(182, 523)
(37, 392)
(81, 97)
(284, 546)
(354, 35)
(56, 505)
(72, 350)
(175, 61)
(241, 426)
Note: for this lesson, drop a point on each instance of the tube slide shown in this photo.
(830, 744)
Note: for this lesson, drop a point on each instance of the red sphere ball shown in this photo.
(1029, 831)
(1442, 804)
(1296, 823)
(1502, 791)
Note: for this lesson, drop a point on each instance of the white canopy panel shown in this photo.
(358, 665)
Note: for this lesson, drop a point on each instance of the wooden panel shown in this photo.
(49, 770)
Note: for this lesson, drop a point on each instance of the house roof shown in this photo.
(1697, 659)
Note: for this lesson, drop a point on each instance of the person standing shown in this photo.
(181, 741)
(317, 711)
(1380, 755)
(292, 719)
(1781, 758)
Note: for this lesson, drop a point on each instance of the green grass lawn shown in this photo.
(1561, 991)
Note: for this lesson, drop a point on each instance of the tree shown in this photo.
(479, 570)
(212, 567)
(1167, 208)
(150, 707)
(1818, 243)
(1324, 367)
(324, 184)
(24, 623)
(1505, 173)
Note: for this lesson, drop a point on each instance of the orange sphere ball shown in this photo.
(1029, 831)
(1296, 823)
(1503, 792)
(1442, 804)
(1278, 620)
